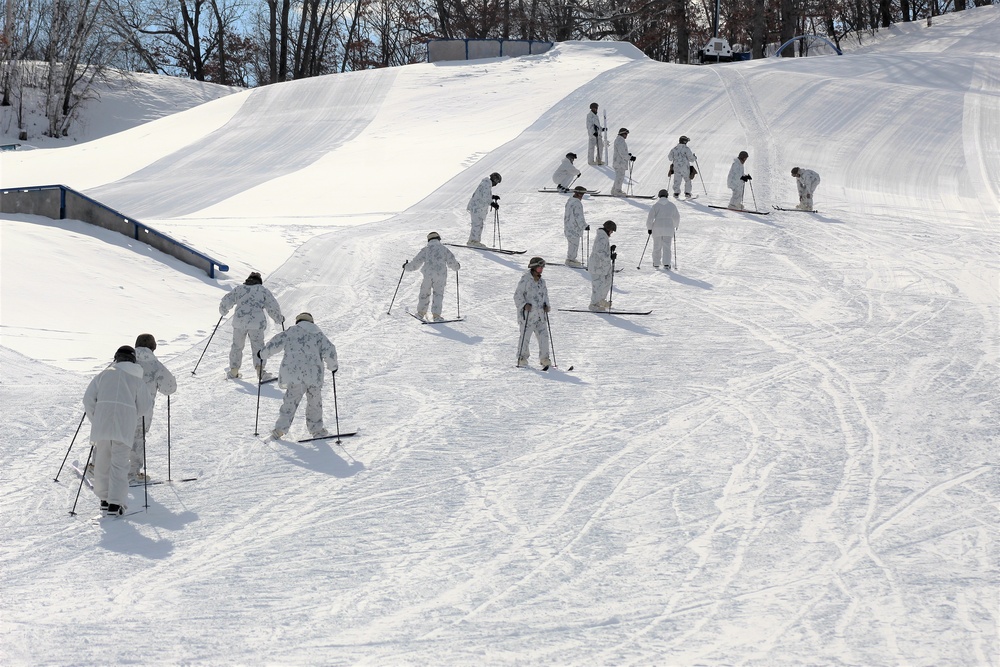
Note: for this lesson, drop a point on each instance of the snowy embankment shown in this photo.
(792, 460)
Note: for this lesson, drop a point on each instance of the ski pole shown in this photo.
(631, 164)
(753, 195)
(207, 344)
(82, 417)
(83, 475)
(389, 312)
(145, 470)
(698, 167)
(496, 217)
(256, 416)
(524, 330)
(588, 246)
(168, 437)
(336, 409)
(551, 343)
(458, 295)
(648, 236)
(611, 290)
(675, 250)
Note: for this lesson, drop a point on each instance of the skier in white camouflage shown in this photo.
(566, 173)
(594, 129)
(479, 207)
(532, 301)
(435, 260)
(301, 373)
(682, 160)
(158, 379)
(807, 181)
(114, 401)
(620, 162)
(251, 299)
(600, 266)
(737, 181)
(574, 224)
(662, 223)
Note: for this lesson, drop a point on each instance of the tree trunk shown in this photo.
(789, 19)
(223, 74)
(758, 31)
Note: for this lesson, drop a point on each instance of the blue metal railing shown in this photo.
(72, 204)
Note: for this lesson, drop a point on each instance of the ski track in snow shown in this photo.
(791, 461)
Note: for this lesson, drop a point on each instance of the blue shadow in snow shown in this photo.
(269, 390)
(691, 282)
(558, 375)
(319, 456)
(446, 331)
(121, 535)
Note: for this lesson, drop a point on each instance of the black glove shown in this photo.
(631, 158)
(495, 205)
(597, 133)
(587, 228)
(649, 231)
(496, 197)
(405, 263)
(614, 256)
(613, 248)
(745, 178)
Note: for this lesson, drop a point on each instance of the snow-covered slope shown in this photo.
(120, 101)
(791, 461)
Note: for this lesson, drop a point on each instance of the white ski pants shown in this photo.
(432, 284)
(572, 246)
(477, 227)
(536, 324)
(736, 201)
(111, 471)
(239, 340)
(594, 150)
(314, 407)
(600, 286)
(137, 451)
(678, 177)
(616, 189)
(805, 196)
(661, 249)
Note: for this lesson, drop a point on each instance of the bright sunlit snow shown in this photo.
(792, 460)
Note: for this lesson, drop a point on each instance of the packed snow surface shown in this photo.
(792, 460)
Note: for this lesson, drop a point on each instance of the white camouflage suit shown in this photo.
(663, 220)
(807, 181)
(620, 164)
(599, 267)
(435, 259)
(114, 401)
(574, 225)
(536, 293)
(301, 372)
(682, 159)
(479, 208)
(157, 379)
(565, 173)
(594, 138)
(251, 301)
(734, 183)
